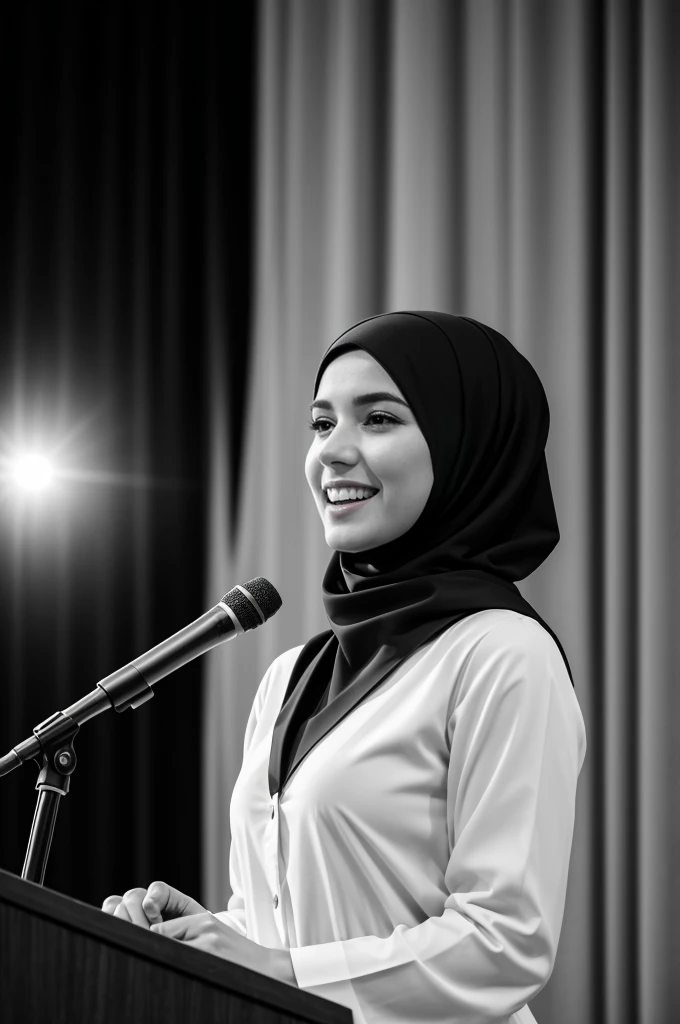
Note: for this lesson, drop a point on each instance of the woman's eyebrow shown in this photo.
(374, 396)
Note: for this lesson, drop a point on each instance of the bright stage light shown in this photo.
(32, 472)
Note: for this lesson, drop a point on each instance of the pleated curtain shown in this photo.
(125, 210)
(516, 162)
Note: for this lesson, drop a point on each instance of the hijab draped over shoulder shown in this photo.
(489, 519)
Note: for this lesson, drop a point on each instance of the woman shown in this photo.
(403, 818)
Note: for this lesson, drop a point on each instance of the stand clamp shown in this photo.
(56, 762)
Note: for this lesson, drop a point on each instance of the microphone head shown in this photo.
(254, 602)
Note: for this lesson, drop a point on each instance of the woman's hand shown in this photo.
(169, 912)
(159, 903)
(203, 931)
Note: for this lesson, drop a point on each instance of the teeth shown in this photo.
(346, 493)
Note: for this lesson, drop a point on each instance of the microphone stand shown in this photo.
(57, 761)
(51, 746)
(126, 688)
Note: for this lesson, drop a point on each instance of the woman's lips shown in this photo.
(339, 510)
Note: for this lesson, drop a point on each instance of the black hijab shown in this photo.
(489, 519)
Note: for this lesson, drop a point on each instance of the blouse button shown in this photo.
(275, 901)
(272, 810)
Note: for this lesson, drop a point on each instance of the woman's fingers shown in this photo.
(122, 912)
(163, 903)
(156, 901)
(110, 904)
(160, 902)
(132, 906)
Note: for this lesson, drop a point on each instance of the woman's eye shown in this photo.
(318, 424)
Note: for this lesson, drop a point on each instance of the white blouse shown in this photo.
(415, 862)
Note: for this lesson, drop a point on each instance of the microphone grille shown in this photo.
(262, 602)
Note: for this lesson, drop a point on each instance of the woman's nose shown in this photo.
(339, 447)
(345, 454)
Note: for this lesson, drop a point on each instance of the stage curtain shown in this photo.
(125, 198)
(516, 162)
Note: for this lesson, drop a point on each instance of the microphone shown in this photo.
(243, 608)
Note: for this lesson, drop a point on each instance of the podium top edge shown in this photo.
(174, 956)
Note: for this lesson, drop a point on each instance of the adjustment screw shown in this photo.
(64, 759)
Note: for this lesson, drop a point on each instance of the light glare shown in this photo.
(32, 472)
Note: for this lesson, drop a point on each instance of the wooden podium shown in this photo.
(65, 962)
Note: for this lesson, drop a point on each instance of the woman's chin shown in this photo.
(351, 544)
(344, 549)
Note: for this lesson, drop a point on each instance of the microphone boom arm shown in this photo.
(52, 741)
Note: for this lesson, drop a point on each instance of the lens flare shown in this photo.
(32, 472)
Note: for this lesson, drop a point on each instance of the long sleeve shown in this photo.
(517, 744)
(235, 914)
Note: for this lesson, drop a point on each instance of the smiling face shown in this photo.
(376, 443)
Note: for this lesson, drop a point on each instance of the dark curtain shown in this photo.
(125, 188)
